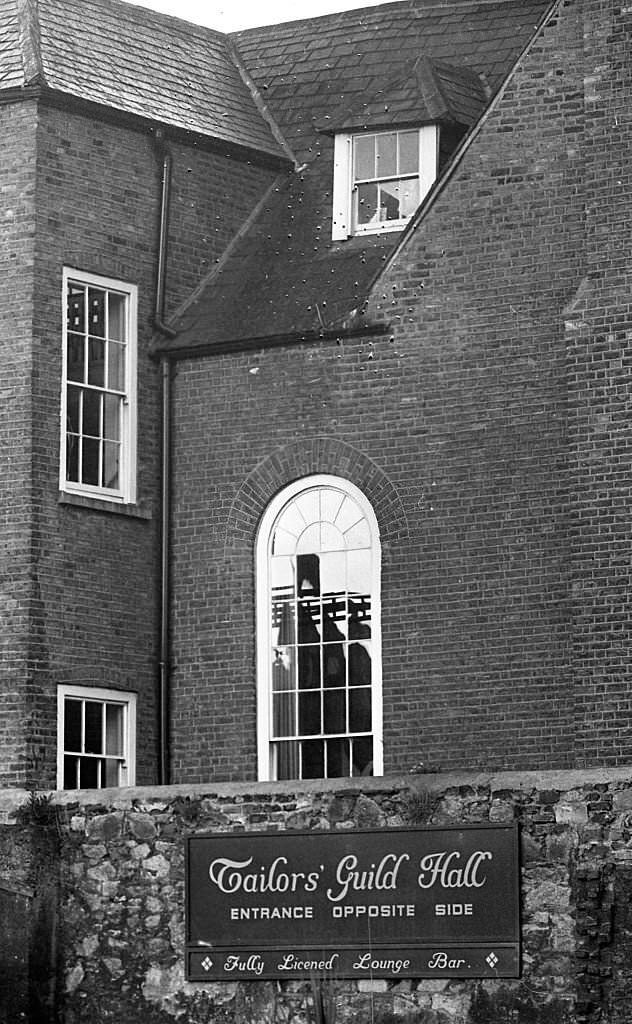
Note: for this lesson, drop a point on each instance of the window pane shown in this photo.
(309, 722)
(114, 729)
(92, 413)
(338, 759)
(308, 574)
(330, 538)
(309, 539)
(284, 714)
(364, 157)
(89, 773)
(283, 543)
(409, 197)
(116, 311)
(360, 658)
(90, 462)
(96, 312)
(308, 505)
(360, 710)
(111, 464)
(287, 760)
(330, 502)
(390, 208)
(359, 572)
(282, 577)
(348, 515)
(366, 199)
(358, 536)
(72, 458)
(72, 410)
(308, 667)
(112, 417)
(334, 668)
(111, 772)
(335, 710)
(75, 314)
(96, 362)
(362, 753)
(408, 152)
(72, 725)
(313, 758)
(283, 624)
(93, 734)
(333, 572)
(360, 619)
(70, 773)
(386, 155)
(283, 674)
(308, 622)
(292, 521)
(116, 366)
(76, 357)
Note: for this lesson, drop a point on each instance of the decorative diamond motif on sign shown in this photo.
(207, 963)
(492, 960)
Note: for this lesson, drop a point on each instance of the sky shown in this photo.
(232, 15)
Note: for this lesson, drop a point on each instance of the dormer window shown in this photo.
(381, 177)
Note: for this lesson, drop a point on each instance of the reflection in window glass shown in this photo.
(96, 387)
(321, 570)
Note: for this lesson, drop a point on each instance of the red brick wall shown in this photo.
(17, 222)
(600, 391)
(94, 598)
(461, 414)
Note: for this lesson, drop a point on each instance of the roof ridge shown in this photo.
(261, 106)
(30, 41)
(431, 91)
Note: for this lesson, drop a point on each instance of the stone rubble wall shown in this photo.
(120, 917)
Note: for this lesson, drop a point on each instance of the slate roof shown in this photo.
(285, 276)
(11, 69)
(134, 60)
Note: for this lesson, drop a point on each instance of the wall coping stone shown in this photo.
(562, 780)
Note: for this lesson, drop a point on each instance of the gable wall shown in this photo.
(461, 408)
(95, 572)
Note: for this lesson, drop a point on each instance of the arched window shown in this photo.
(318, 630)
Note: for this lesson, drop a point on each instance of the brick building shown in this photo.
(321, 465)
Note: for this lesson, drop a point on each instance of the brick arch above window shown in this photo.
(306, 457)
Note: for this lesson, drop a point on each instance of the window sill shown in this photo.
(135, 511)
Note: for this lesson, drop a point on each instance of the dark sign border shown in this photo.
(405, 956)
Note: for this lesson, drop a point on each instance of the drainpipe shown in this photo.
(165, 518)
(164, 155)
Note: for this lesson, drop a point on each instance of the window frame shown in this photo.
(264, 647)
(123, 698)
(343, 225)
(125, 493)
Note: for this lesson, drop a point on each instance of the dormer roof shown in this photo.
(424, 92)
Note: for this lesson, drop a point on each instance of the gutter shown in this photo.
(216, 348)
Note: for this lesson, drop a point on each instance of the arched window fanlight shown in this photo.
(319, 680)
